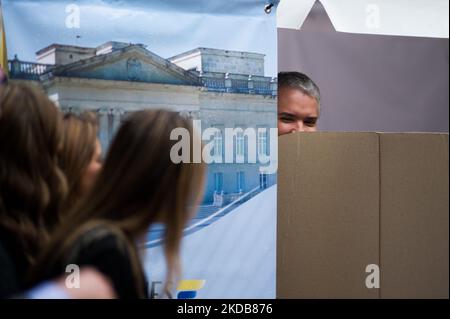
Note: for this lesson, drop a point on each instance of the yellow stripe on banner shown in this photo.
(188, 285)
(3, 53)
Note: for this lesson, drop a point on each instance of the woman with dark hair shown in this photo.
(138, 185)
(80, 157)
(32, 186)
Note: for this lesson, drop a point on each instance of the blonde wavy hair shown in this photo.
(79, 144)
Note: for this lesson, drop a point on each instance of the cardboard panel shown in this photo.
(414, 216)
(328, 214)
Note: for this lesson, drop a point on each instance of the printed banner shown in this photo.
(212, 61)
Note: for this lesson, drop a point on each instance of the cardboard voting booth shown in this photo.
(349, 201)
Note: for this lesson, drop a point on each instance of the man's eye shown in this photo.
(286, 120)
(310, 123)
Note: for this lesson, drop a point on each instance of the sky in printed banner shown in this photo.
(165, 27)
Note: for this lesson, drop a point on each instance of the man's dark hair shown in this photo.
(299, 81)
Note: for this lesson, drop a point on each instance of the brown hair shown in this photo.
(138, 185)
(79, 143)
(32, 186)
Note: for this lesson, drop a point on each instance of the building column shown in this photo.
(274, 86)
(228, 83)
(117, 120)
(103, 127)
(250, 85)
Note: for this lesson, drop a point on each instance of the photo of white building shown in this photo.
(223, 89)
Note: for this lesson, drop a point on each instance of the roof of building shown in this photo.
(212, 51)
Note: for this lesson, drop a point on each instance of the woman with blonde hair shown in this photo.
(138, 185)
(32, 186)
(80, 157)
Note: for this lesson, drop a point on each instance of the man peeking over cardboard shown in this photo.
(298, 103)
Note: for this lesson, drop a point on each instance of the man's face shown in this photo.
(297, 112)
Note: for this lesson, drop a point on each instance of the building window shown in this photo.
(110, 125)
(218, 182)
(240, 180)
(218, 144)
(262, 142)
(240, 145)
(262, 181)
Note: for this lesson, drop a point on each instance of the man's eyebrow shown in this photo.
(286, 114)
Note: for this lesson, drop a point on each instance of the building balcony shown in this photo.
(26, 70)
(226, 84)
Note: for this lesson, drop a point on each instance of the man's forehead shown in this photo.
(297, 104)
